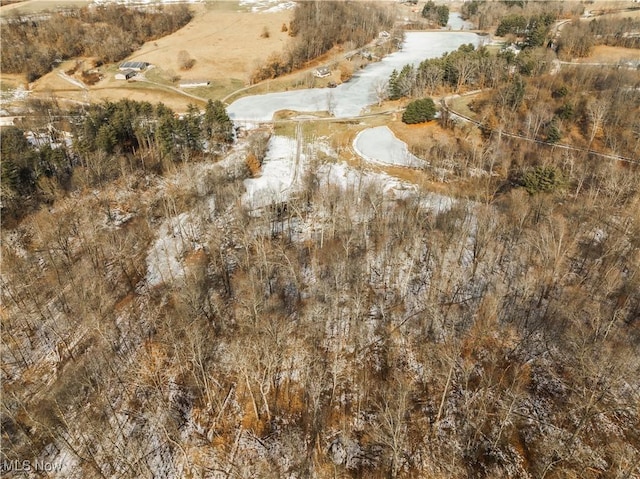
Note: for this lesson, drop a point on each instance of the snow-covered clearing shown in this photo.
(348, 178)
(281, 173)
(176, 236)
(277, 175)
(380, 145)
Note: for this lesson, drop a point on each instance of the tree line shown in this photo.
(578, 38)
(108, 33)
(533, 29)
(318, 26)
(108, 140)
(467, 66)
(591, 107)
(524, 96)
(515, 15)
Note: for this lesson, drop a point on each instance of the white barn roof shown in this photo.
(133, 66)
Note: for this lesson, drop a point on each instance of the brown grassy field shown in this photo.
(607, 54)
(226, 43)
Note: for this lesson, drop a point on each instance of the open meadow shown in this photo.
(224, 43)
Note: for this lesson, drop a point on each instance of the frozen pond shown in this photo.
(380, 145)
(349, 99)
(457, 23)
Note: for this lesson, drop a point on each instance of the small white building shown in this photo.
(513, 48)
(194, 83)
(322, 72)
(125, 75)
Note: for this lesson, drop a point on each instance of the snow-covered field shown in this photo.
(350, 98)
(281, 174)
(380, 145)
(348, 178)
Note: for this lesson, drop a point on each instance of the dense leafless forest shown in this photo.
(339, 334)
(482, 321)
(32, 45)
(317, 27)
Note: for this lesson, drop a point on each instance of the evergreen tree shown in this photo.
(542, 179)
(553, 132)
(217, 124)
(394, 87)
(165, 129)
(190, 129)
(438, 14)
(19, 162)
(106, 138)
(419, 111)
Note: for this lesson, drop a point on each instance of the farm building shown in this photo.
(125, 75)
(322, 72)
(135, 66)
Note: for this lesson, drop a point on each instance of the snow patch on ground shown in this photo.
(380, 145)
(348, 178)
(13, 94)
(278, 177)
(72, 80)
(165, 261)
(267, 6)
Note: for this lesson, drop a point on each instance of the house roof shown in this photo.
(133, 65)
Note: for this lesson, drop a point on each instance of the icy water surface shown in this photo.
(351, 98)
(457, 23)
(380, 145)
